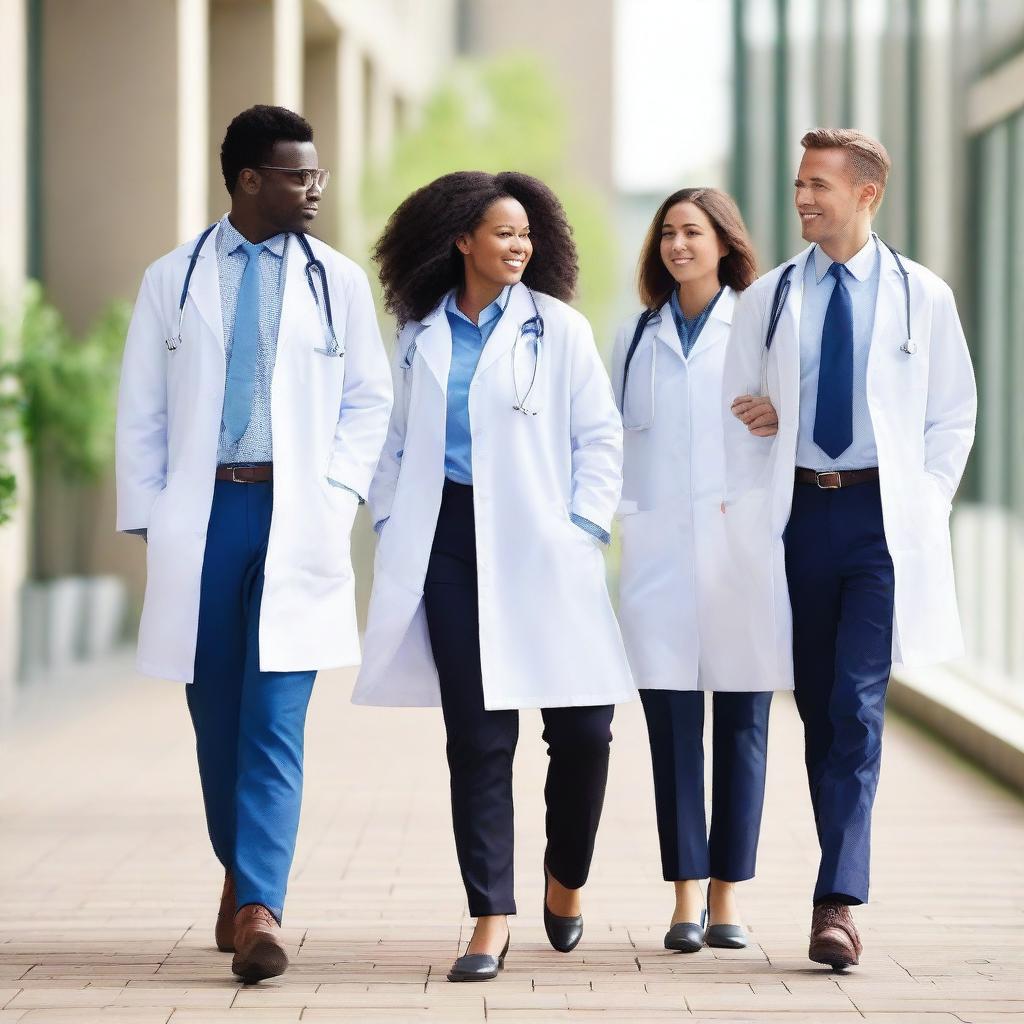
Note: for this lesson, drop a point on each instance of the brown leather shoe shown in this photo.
(834, 937)
(224, 932)
(259, 951)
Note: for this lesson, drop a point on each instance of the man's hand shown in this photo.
(757, 414)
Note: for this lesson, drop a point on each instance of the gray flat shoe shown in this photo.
(687, 936)
(478, 966)
(726, 936)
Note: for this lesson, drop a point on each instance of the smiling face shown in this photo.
(497, 250)
(832, 207)
(690, 246)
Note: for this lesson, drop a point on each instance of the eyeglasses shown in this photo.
(308, 176)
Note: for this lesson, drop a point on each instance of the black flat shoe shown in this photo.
(726, 936)
(478, 966)
(687, 936)
(564, 933)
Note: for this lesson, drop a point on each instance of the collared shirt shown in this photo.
(689, 328)
(256, 444)
(468, 340)
(862, 284)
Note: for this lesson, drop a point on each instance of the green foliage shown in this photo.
(501, 115)
(60, 392)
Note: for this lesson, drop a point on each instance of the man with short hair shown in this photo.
(254, 402)
(852, 404)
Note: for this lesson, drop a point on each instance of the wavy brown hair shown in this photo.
(737, 268)
(417, 256)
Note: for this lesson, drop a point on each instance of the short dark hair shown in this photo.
(417, 255)
(251, 136)
(737, 268)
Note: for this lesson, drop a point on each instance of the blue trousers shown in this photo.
(249, 724)
(841, 587)
(675, 727)
(481, 743)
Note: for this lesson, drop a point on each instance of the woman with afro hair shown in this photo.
(493, 499)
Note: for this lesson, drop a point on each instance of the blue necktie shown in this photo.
(244, 346)
(833, 416)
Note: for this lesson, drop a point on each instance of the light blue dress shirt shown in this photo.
(862, 283)
(256, 444)
(468, 340)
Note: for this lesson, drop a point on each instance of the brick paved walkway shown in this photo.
(108, 889)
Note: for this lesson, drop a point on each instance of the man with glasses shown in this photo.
(255, 398)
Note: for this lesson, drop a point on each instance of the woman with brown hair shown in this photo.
(674, 603)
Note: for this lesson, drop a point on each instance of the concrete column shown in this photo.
(351, 138)
(13, 203)
(321, 88)
(255, 57)
(123, 181)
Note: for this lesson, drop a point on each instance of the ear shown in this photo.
(462, 244)
(249, 181)
(868, 194)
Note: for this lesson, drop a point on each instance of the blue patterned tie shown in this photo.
(244, 345)
(833, 416)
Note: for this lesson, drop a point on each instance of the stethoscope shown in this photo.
(909, 346)
(313, 266)
(535, 326)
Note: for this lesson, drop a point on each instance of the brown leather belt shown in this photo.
(261, 474)
(832, 480)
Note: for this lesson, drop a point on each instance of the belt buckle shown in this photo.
(236, 479)
(833, 477)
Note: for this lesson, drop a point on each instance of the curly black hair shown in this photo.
(419, 261)
(251, 136)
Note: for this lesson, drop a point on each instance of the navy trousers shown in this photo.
(481, 744)
(249, 724)
(841, 587)
(675, 727)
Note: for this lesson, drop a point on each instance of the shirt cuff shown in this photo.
(592, 528)
(344, 487)
(379, 525)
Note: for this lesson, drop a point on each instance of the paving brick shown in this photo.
(108, 890)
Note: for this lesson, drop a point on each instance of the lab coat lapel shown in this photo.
(434, 343)
(666, 331)
(889, 322)
(517, 312)
(298, 307)
(204, 288)
(716, 329)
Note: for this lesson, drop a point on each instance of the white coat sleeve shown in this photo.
(746, 456)
(385, 480)
(596, 430)
(952, 398)
(366, 396)
(140, 445)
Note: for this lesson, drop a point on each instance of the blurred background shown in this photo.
(112, 116)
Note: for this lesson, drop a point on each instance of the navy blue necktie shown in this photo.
(833, 415)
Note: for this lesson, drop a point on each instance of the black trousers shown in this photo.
(481, 743)
(675, 726)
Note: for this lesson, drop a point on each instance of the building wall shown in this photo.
(941, 83)
(573, 38)
(133, 100)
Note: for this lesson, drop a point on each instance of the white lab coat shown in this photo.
(675, 602)
(548, 634)
(922, 410)
(329, 418)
